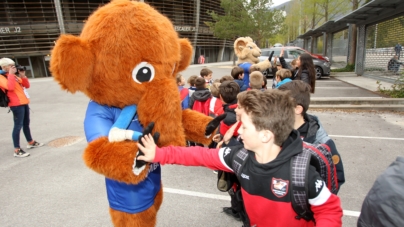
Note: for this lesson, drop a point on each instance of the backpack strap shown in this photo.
(299, 169)
(239, 161)
(225, 181)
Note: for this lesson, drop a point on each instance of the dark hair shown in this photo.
(236, 72)
(192, 79)
(226, 78)
(306, 63)
(229, 90)
(205, 72)
(271, 110)
(200, 83)
(300, 91)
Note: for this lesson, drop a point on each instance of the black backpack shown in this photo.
(317, 155)
(3, 98)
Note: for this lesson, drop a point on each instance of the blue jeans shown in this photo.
(21, 120)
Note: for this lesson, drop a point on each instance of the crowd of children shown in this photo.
(267, 142)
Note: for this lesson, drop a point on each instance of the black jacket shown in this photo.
(313, 132)
(200, 95)
(383, 206)
(304, 76)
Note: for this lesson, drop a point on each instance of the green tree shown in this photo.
(252, 18)
(293, 20)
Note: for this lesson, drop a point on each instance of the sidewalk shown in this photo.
(361, 81)
(368, 83)
(329, 95)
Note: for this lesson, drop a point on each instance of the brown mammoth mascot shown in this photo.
(125, 61)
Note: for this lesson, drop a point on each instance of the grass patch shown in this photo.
(397, 89)
(348, 68)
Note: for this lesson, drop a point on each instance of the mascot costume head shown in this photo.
(247, 53)
(125, 60)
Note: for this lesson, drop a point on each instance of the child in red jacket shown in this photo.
(269, 144)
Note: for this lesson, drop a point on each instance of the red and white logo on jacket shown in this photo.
(279, 187)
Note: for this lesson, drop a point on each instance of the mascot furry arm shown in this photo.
(125, 61)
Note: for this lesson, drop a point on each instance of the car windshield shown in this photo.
(267, 52)
(295, 53)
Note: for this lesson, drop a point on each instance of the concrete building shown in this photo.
(29, 28)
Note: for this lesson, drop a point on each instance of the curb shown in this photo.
(357, 101)
(399, 108)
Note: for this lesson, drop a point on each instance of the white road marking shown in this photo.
(227, 198)
(351, 213)
(336, 88)
(366, 137)
(197, 194)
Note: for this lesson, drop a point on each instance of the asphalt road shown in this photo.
(53, 187)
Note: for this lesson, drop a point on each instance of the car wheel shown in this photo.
(319, 72)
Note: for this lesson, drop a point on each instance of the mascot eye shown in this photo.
(143, 72)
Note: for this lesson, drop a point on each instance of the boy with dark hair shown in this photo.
(191, 83)
(228, 91)
(256, 80)
(201, 95)
(215, 104)
(269, 145)
(238, 74)
(184, 92)
(207, 75)
(226, 78)
(309, 126)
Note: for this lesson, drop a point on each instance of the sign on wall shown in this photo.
(4, 30)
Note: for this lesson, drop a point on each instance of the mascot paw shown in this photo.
(270, 56)
(213, 124)
(118, 135)
(138, 165)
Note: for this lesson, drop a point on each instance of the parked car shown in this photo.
(322, 64)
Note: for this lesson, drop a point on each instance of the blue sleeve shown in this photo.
(98, 121)
(246, 67)
(125, 118)
(185, 103)
(243, 88)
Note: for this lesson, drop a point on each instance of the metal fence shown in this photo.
(381, 40)
(340, 48)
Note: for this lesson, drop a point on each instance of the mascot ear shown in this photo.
(186, 54)
(239, 45)
(72, 63)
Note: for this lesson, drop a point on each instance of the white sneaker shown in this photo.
(35, 144)
(20, 154)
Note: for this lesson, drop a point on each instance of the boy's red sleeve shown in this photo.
(325, 206)
(192, 156)
(330, 213)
